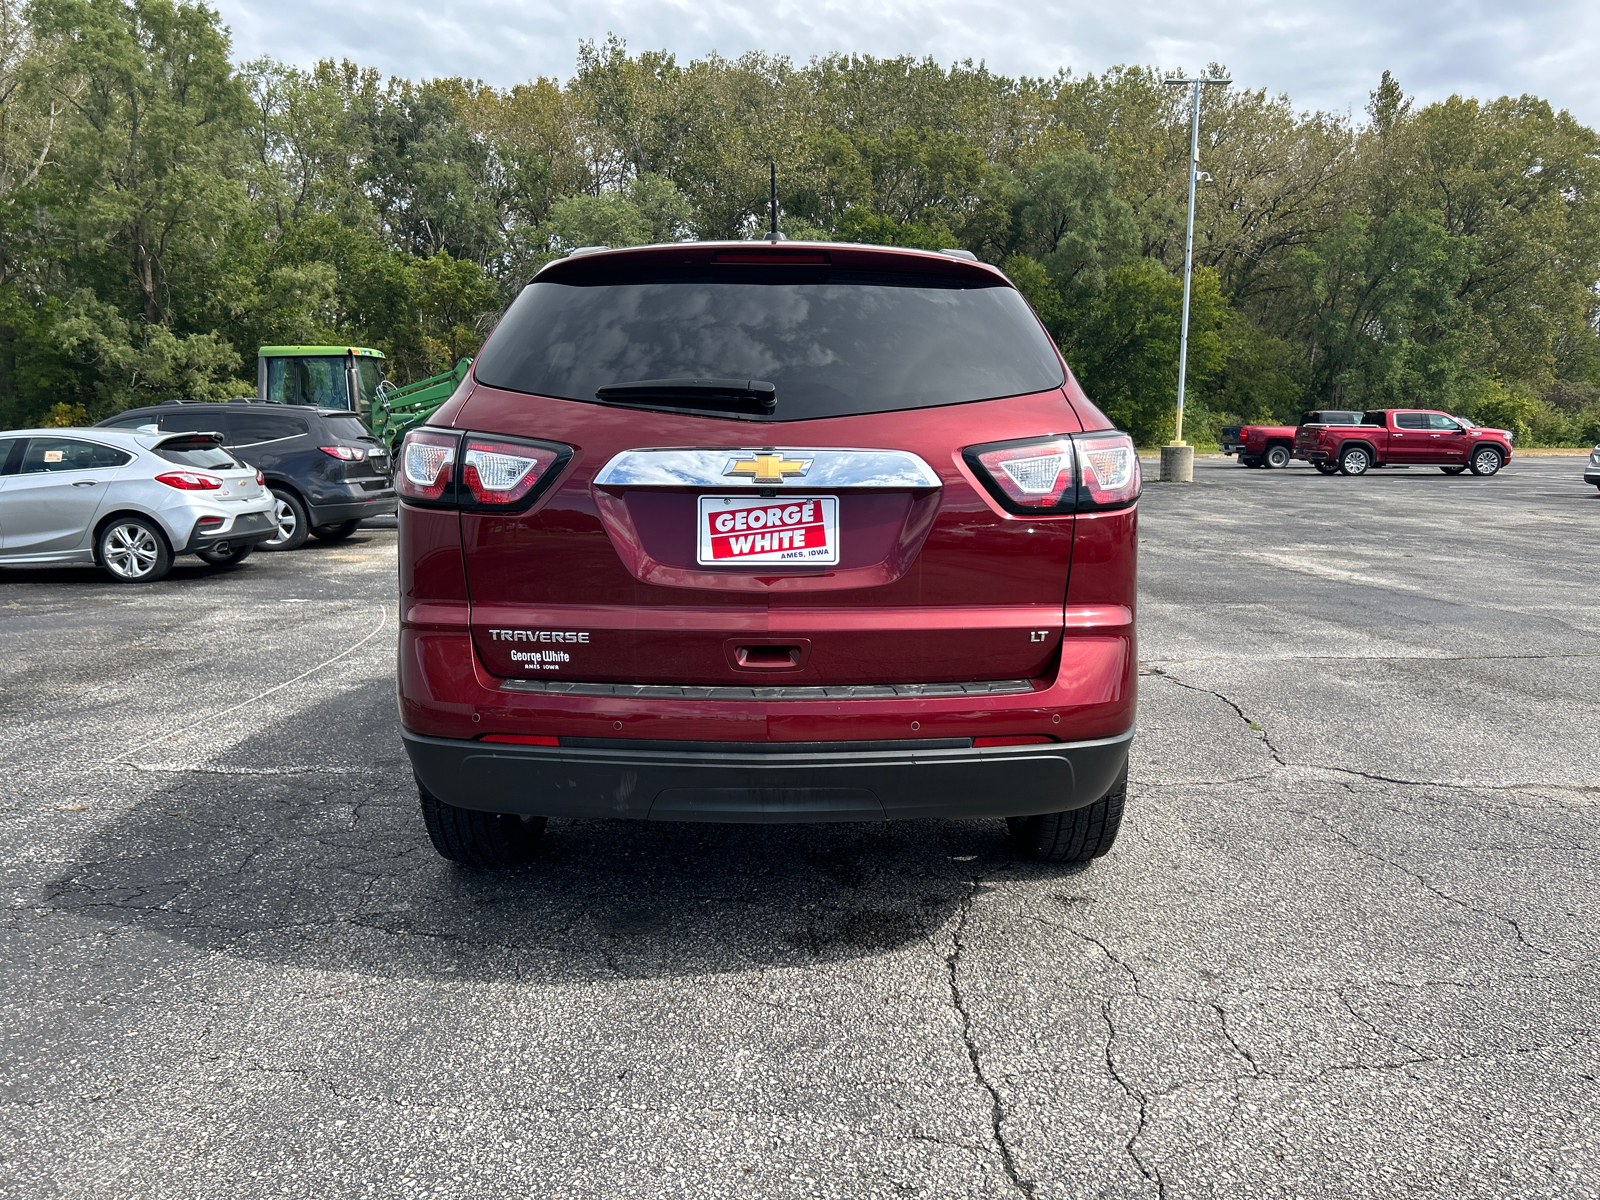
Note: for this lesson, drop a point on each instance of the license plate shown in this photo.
(735, 530)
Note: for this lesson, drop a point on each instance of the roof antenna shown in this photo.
(774, 235)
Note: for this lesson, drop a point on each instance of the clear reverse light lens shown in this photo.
(499, 472)
(424, 462)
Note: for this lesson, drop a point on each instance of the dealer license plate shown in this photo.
(735, 530)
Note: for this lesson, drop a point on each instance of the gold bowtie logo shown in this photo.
(768, 467)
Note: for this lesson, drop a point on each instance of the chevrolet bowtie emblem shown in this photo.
(765, 466)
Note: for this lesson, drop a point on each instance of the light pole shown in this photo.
(1177, 460)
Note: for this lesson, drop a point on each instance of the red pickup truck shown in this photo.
(1273, 445)
(1404, 437)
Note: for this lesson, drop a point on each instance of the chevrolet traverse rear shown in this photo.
(768, 532)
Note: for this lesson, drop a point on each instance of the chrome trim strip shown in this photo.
(830, 468)
(856, 691)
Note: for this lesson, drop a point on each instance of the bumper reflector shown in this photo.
(521, 739)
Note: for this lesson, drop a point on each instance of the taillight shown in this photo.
(344, 453)
(1069, 473)
(427, 460)
(1108, 469)
(261, 480)
(500, 473)
(476, 472)
(1033, 475)
(190, 481)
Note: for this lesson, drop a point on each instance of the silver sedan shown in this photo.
(127, 500)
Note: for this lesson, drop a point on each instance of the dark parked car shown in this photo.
(325, 470)
(751, 532)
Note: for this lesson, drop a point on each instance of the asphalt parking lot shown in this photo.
(1346, 946)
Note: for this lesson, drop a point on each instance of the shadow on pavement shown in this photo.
(331, 869)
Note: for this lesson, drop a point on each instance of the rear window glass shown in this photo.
(833, 342)
(188, 454)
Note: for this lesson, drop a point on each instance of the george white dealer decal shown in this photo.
(538, 635)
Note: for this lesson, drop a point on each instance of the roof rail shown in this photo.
(966, 254)
(586, 250)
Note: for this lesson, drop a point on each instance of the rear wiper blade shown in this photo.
(691, 392)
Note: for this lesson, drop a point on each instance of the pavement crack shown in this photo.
(1255, 726)
(997, 1113)
(1426, 883)
(1151, 1172)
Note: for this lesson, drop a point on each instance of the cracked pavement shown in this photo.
(1345, 946)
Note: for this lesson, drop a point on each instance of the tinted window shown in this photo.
(196, 422)
(188, 454)
(315, 380)
(1374, 418)
(69, 454)
(1411, 420)
(250, 427)
(833, 342)
(131, 422)
(7, 445)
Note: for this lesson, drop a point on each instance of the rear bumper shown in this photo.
(245, 529)
(356, 506)
(1311, 455)
(767, 783)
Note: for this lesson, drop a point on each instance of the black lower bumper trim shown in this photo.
(382, 504)
(768, 782)
(248, 529)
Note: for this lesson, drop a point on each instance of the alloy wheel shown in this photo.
(283, 517)
(131, 551)
(1486, 462)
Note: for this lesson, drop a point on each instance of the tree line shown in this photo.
(164, 211)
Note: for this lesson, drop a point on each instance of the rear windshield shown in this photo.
(187, 454)
(833, 342)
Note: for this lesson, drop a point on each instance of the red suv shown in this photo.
(768, 532)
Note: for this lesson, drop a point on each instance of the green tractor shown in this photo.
(351, 378)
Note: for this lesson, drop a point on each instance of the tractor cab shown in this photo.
(342, 377)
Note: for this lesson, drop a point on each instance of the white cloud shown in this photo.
(1325, 55)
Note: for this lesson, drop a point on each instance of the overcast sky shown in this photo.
(1324, 55)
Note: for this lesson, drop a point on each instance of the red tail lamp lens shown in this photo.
(503, 472)
(520, 739)
(261, 480)
(1023, 740)
(190, 481)
(1110, 467)
(426, 461)
(344, 453)
(1036, 475)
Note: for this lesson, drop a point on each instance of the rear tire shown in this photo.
(1278, 457)
(133, 550)
(1078, 835)
(479, 839)
(1355, 460)
(1452, 470)
(1486, 461)
(293, 521)
(1249, 462)
(227, 558)
(1327, 468)
(336, 532)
